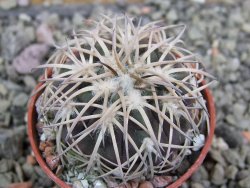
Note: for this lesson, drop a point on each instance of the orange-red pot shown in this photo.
(34, 141)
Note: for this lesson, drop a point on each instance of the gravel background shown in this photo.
(218, 30)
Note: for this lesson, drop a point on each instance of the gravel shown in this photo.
(218, 30)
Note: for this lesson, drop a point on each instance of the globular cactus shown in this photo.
(124, 100)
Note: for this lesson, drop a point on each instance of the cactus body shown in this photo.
(124, 100)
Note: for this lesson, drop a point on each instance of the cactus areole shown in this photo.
(122, 102)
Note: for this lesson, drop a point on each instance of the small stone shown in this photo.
(77, 20)
(3, 90)
(146, 10)
(30, 159)
(217, 156)
(232, 137)
(156, 15)
(231, 172)
(11, 142)
(85, 183)
(196, 185)
(232, 157)
(44, 34)
(161, 181)
(245, 183)
(242, 174)
(146, 184)
(52, 161)
(30, 58)
(19, 172)
(6, 179)
(195, 34)
(229, 45)
(99, 184)
(28, 169)
(53, 20)
(172, 15)
(48, 151)
(234, 64)
(15, 38)
(77, 184)
(23, 3)
(220, 144)
(246, 28)
(5, 104)
(199, 175)
(217, 175)
(25, 17)
(6, 165)
(29, 82)
(7, 4)
(21, 99)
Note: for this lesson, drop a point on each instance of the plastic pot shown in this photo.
(34, 141)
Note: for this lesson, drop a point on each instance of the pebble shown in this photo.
(5, 104)
(246, 28)
(3, 90)
(196, 185)
(6, 179)
(172, 15)
(231, 172)
(30, 58)
(200, 174)
(6, 165)
(217, 156)
(245, 183)
(233, 157)
(194, 33)
(242, 174)
(23, 3)
(146, 184)
(77, 20)
(29, 82)
(44, 34)
(53, 21)
(15, 38)
(8, 4)
(217, 175)
(161, 181)
(21, 99)
(19, 172)
(231, 136)
(28, 169)
(99, 184)
(11, 142)
(24, 17)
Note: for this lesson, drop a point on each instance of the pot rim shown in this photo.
(32, 134)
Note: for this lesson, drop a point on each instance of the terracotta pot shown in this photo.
(34, 141)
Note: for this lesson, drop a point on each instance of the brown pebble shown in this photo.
(42, 146)
(146, 184)
(49, 143)
(30, 159)
(52, 161)
(48, 151)
(39, 127)
(146, 10)
(21, 185)
(161, 181)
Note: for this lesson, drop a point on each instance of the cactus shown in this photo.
(124, 100)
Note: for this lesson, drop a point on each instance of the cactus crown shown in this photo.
(124, 100)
